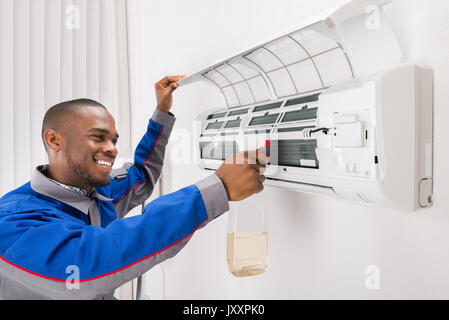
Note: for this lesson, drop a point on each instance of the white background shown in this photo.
(319, 247)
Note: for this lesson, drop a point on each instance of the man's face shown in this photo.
(90, 148)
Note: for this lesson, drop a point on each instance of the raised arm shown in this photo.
(133, 183)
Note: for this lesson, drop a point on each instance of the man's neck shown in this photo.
(50, 174)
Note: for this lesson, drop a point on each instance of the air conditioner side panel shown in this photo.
(404, 124)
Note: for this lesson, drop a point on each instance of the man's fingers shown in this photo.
(255, 158)
(262, 156)
(258, 166)
(251, 157)
(170, 81)
(258, 156)
(173, 87)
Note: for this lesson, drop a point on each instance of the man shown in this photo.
(63, 235)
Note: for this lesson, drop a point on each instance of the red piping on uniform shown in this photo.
(103, 275)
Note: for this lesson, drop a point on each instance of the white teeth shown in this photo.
(104, 163)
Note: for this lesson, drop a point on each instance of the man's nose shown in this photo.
(111, 148)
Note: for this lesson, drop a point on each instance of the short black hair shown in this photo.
(56, 115)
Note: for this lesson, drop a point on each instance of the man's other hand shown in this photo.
(164, 90)
(241, 175)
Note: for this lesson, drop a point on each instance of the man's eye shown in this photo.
(98, 137)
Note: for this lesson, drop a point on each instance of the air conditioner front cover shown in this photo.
(352, 41)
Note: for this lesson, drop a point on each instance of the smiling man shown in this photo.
(64, 234)
(83, 153)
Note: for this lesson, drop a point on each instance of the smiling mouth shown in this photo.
(104, 163)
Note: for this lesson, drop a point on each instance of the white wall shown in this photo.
(319, 247)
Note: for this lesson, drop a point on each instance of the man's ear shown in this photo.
(53, 140)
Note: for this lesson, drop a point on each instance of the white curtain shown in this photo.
(53, 51)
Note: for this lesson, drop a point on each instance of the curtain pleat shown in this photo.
(47, 57)
(7, 138)
(21, 83)
(122, 75)
(53, 26)
(80, 53)
(92, 49)
(67, 50)
(37, 79)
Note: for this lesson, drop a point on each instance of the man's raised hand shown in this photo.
(164, 89)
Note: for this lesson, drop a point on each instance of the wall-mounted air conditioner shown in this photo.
(339, 112)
